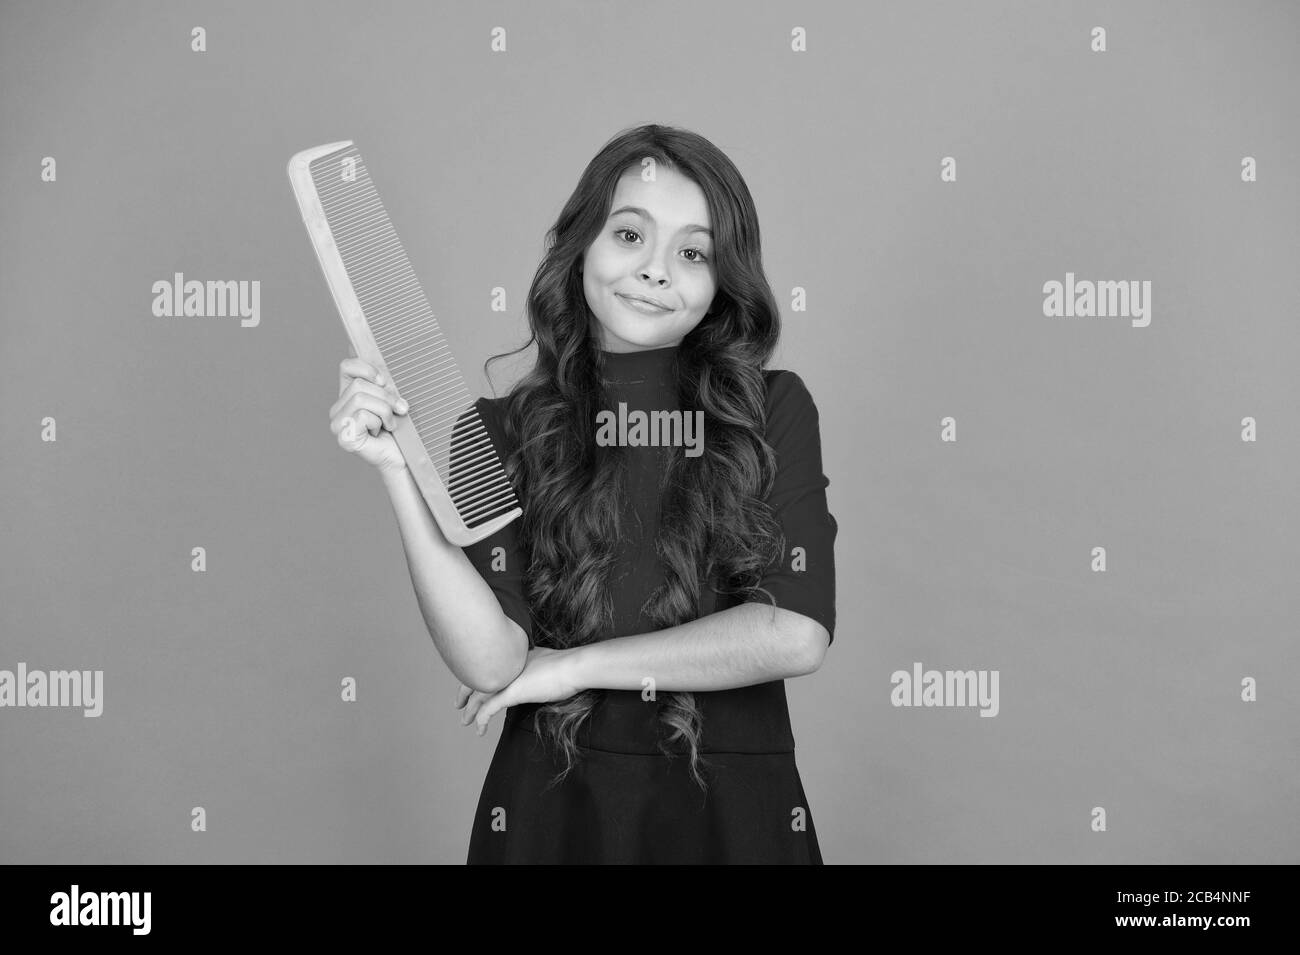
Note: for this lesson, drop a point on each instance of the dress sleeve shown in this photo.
(804, 580)
(498, 558)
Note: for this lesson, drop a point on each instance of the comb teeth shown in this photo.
(412, 345)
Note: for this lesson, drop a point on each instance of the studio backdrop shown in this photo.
(1035, 264)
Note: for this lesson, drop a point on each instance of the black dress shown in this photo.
(625, 801)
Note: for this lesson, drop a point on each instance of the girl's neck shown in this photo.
(634, 366)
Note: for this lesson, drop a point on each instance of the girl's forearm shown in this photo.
(482, 646)
(740, 646)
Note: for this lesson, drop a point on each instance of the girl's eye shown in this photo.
(701, 257)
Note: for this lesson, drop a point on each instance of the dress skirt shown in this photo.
(624, 802)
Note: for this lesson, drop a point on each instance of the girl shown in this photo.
(637, 622)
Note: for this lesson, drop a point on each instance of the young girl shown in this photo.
(637, 622)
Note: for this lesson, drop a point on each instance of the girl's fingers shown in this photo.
(357, 368)
(495, 702)
(354, 429)
(479, 706)
(359, 386)
(352, 436)
(361, 404)
(369, 421)
(355, 419)
(471, 706)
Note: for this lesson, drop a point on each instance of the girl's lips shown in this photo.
(641, 306)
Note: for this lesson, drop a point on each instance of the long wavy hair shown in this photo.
(715, 528)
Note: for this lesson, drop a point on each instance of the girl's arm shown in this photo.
(482, 646)
(751, 643)
(747, 644)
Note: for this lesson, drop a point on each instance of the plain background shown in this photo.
(1119, 690)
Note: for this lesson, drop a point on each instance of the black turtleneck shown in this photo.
(643, 381)
(636, 367)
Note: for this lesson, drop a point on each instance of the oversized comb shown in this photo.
(388, 319)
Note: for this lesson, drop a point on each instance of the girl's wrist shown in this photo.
(579, 660)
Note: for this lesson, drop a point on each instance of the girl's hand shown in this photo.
(364, 415)
(548, 675)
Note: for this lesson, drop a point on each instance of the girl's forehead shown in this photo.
(672, 202)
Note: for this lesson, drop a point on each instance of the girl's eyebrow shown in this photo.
(645, 215)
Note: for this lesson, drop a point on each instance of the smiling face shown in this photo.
(654, 244)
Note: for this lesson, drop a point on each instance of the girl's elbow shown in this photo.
(496, 678)
(490, 683)
(505, 667)
(816, 641)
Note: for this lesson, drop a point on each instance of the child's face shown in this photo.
(661, 255)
